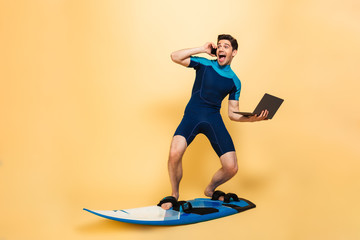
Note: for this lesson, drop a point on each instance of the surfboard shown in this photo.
(203, 209)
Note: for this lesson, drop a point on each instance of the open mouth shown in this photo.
(221, 57)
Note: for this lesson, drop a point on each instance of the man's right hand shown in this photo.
(207, 48)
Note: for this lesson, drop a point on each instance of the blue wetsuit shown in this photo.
(202, 114)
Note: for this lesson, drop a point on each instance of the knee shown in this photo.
(229, 163)
(231, 168)
(175, 154)
(177, 149)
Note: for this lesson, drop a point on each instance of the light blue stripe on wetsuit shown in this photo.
(202, 114)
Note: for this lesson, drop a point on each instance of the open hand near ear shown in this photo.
(208, 47)
(263, 116)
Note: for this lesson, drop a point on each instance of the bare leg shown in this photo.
(177, 150)
(226, 172)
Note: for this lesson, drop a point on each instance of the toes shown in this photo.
(166, 206)
(218, 195)
(168, 202)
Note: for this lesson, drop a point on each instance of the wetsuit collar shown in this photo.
(224, 68)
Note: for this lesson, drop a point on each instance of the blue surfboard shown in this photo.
(203, 209)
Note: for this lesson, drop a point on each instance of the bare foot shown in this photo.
(208, 192)
(168, 205)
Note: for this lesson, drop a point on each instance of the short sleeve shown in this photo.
(196, 62)
(235, 92)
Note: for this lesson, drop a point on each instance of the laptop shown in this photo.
(268, 102)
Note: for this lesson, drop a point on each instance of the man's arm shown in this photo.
(234, 107)
(182, 57)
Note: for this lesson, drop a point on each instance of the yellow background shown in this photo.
(89, 100)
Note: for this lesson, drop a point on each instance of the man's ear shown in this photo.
(234, 52)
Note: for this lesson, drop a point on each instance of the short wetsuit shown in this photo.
(202, 114)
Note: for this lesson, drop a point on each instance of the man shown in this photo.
(214, 81)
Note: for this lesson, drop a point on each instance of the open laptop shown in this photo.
(268, 102)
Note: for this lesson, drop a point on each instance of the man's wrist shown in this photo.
(201, 49)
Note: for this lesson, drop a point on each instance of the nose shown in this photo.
(221, 49)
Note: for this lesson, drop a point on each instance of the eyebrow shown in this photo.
(224, 44)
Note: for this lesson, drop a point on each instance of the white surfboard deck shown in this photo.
(155, 215)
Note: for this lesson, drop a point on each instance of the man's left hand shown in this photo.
(263, 116)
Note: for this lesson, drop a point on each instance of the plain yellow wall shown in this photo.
(89, 101)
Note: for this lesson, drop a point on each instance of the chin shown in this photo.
(219, 62)
(222, 64)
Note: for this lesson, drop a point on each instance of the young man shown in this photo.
(214, 81)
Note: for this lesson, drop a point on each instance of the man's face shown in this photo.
(225, 52)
